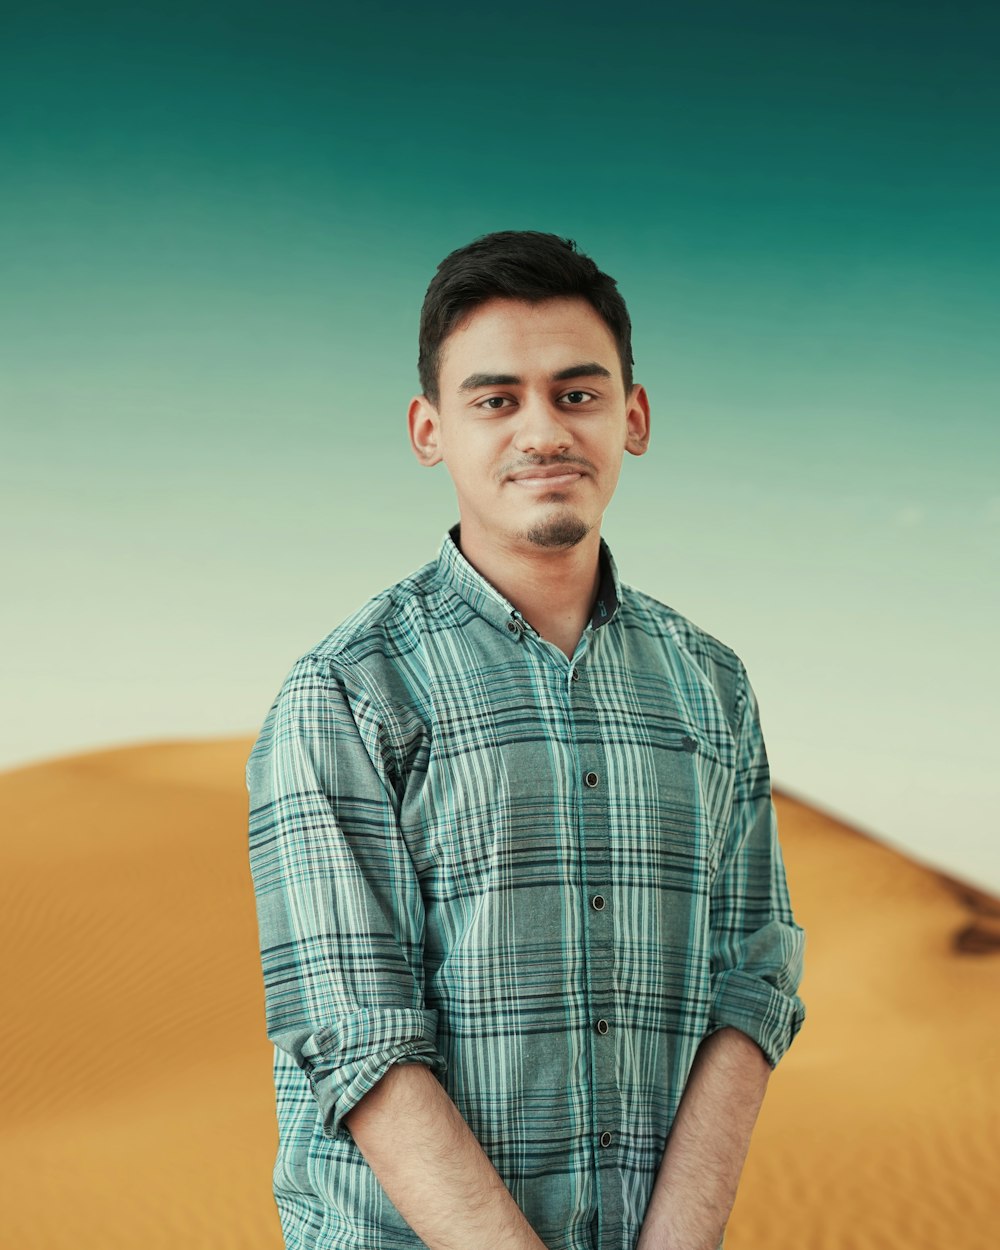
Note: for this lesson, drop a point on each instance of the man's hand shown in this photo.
(696, 1184)
(432, 1167)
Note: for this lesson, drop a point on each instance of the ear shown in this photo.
(424, 424)
(637, 421)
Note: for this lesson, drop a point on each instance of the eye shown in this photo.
(576, 398)
(493, 402)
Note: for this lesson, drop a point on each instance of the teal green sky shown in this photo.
(216, 227)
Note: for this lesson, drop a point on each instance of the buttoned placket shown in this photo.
(597, 902)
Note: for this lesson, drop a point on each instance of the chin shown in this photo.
(558, 531)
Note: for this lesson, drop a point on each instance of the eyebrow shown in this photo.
(589, 369)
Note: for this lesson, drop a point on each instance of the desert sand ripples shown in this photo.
(137, 1106)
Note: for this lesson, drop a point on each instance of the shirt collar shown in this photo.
(489, 603)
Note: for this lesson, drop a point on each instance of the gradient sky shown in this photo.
(216, 227)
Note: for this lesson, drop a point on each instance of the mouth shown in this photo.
(546, 477)
(548, 481)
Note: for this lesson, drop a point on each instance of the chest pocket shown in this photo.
(695, 776)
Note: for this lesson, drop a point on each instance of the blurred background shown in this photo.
(217, 224)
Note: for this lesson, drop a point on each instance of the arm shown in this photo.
(339, 908)
(696, 1184)
(433, 1168)
(756, 946)
(342, 922)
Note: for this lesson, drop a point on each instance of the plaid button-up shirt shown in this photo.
(547, 878)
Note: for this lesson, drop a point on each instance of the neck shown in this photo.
(553, 588)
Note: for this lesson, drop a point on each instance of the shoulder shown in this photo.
(367, 674)
(388, 626)
(687, 648)
(376, 659)
(642, 611)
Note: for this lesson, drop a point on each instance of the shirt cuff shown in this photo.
(348, 1059)
(743, 1001)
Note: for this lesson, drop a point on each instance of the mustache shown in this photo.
(546, 462)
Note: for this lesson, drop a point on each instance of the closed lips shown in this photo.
(563, 473)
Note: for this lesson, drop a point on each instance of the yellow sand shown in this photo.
(137, 1107)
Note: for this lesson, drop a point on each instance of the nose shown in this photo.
(541, 428)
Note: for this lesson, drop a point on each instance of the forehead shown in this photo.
(513, 336)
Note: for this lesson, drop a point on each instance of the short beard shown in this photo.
(561, 531)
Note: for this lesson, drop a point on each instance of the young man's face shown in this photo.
(532, 422)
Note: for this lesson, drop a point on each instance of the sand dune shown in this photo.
(136, 1087)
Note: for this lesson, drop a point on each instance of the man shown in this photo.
(526, 940)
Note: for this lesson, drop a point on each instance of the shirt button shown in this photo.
(513, 627)
(575, 675)
(598, 902)
(606, 1139)
(602, 1027)
(591, 780)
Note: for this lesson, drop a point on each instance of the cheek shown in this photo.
(479, 448)
(470, 462)
(610, 464)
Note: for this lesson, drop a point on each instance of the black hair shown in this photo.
(515, 264)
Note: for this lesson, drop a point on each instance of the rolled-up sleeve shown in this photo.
(339, 910)
(757, 947)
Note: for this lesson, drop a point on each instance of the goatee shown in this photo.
(560, 531)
